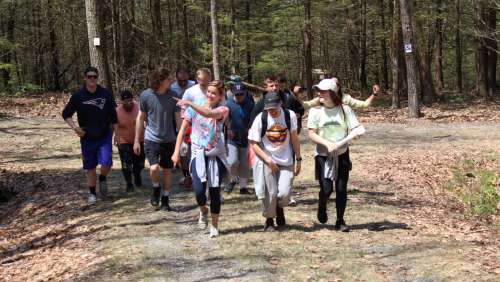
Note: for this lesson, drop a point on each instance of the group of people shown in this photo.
(210, 133)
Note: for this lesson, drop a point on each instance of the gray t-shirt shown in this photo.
(160, 110)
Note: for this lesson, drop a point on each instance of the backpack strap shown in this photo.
(263, 118)
(264, 121)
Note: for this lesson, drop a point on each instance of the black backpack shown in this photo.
(264, 121)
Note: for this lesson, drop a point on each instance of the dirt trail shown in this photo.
(404, 225)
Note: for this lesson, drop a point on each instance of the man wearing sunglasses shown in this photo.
(95, 109)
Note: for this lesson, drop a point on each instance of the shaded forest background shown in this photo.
(44, 45)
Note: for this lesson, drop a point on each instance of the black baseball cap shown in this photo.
(238, 89)
(126, 94)
(91, 69)
(272, 100)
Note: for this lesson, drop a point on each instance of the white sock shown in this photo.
(156, 184)
(166, 193)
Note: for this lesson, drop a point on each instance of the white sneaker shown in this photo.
(203, 220)
(214, 232)
(92, 199)
(292, 202)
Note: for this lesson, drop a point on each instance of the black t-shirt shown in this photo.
(95, 111)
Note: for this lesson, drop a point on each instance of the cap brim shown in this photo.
(271, 106)
(316, 87)
(239, 93)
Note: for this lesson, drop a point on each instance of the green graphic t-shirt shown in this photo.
(332, 125)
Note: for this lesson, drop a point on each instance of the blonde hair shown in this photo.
(205, 71)
(219, 84)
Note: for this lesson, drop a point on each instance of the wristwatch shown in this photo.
(299, 159)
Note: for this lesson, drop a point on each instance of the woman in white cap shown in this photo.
(331, 126)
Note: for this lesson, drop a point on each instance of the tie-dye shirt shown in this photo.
(206, 132)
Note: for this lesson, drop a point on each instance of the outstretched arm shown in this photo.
(200, 109)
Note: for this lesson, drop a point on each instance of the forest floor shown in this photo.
(408, 223)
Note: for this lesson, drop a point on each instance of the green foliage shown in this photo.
(477, 188)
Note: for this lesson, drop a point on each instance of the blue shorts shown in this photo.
(98, 151)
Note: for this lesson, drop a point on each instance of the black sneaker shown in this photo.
(164, 204)
(341, 226)
(155, 196)
(322, 215)
(269, 227)
(244, 191)
(138, 180)
(280, 217)
(230, 187)
(130, 187)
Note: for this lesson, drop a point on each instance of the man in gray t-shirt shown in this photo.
(158, 109)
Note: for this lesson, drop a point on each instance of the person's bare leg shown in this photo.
(91, 177)
(154, 173)
(215, 220)
(167, 180)
(105, 170)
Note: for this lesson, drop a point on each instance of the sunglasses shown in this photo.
(92, 76)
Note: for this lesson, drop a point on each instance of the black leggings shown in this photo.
(200, 189)
(326, 185)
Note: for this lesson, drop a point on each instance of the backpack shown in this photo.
(264, 121)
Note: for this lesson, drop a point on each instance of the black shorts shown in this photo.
(159, 153)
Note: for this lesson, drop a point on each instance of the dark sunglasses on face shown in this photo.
(91, 76)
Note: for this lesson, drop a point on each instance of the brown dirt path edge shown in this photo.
(405, 228)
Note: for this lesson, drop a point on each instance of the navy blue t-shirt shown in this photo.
(95, 111)
(239, 120)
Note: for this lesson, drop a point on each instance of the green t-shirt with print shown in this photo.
(332, 125)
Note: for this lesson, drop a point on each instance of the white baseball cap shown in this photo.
(327, 84)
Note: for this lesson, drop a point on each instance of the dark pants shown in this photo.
(326, 185)
(131, 163)
(200, 189)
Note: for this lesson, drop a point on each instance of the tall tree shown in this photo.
(458, 45)
(480, 33)
(492, 47)
(98, 56)
(385, 71)
(362, 47)
(413, 75)
(248, 52)
(439, 44)
(397, 57)
(308, 48)
(215, 39)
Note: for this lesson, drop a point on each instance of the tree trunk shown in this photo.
(413, 76)
(98, 56)
(232, 43)
(185, 28)
(156, 21)
(362, 47)
(385, 71)
(396, 57)
(247, 44)
(127, 35)
(458, 46)
(7, 74)
(54, 49)
(480, 32)
(492, 49)
(439, 45)
(308, 48)
(215, 39)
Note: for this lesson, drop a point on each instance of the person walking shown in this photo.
(240, 105)
(132, 164)
(332, 126)
(159, 111)
(96, 113)
(272, 136)
(208, 164)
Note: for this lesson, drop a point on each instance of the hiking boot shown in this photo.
(292, 202)
(155, 196)
(130, 187)
(203, 220)
(164, 204)
(341, 226)
(230, 187)
(138, 180)
(280, 217)
(244, 191)
(92, 199)
(269, 227)
(322, 215)
(214, 231)
(103, 188)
